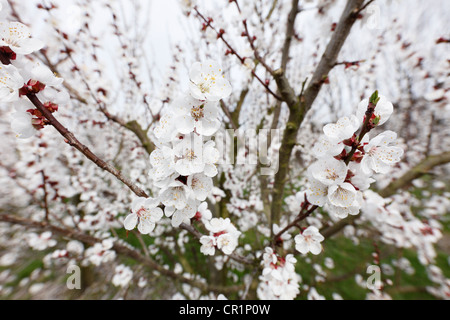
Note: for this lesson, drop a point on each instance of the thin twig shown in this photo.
(234, 52)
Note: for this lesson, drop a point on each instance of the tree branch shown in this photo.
(74, 142)
(417, 171)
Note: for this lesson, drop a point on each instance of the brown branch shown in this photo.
(228, 114)
(366, 127)
(133, 125)
(237, 111)
(290, 33)
(287, 144)
(305, 212)
(74, 142)
(329, 57)
(279, 77)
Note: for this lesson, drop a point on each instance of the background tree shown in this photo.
(294, 66)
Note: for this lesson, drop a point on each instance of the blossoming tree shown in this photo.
(289, 146)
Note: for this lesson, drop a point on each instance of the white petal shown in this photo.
(185, 124)
(137, 204)
(155, 214)
(168, 211)
(317, 193)
(207, 127)
(145, 227)
(315, 248)
(178, 218)
(302, 247)
(130, 221)
(328, 171)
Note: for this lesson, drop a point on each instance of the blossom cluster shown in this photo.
(184, 162)
(278, 281)
(398, 226)
(346, 161)
(21, 78)
(223, 235)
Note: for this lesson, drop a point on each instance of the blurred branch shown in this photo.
(417, 171)
(290, 33)
(119, 248)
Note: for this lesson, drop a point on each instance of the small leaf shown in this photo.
(374, 98)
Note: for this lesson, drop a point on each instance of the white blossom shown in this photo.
(328, 171)
(224, 235)
(22, 121)
(380, 155)
(144, 213)
(10, 83)
(208, 245)
(42, 241)
(227, 242)
(185, 214)
(17, 37)
(32, 70)
(163, 163)
(207, 81)
(278, 280)
(309, 241)
(100, 253)
(342, 195)
(198, 116)
(317, 192)
(200, 186)
(122, 277)
(343, 129)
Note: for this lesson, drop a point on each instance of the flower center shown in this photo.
(342, 194)
(372, 151)
(332, 175)
(204, 87)
(308, 239)
(190, 155)
(197, 112)
(141, 212)
(11, 42)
